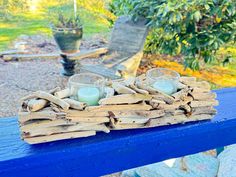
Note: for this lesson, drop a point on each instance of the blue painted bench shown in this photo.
(117, 151)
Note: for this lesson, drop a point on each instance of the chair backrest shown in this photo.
(125, 49)
(128, 36)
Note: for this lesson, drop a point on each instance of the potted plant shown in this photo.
(68, 31)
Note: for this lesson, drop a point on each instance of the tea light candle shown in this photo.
(165, 85)
(89, 95)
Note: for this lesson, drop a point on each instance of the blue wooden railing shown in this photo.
(117, 151)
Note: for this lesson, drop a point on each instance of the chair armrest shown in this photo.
(88, 53)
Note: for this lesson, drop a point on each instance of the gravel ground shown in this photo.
(18, 79)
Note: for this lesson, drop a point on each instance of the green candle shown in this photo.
(165, 85)
(89, 95)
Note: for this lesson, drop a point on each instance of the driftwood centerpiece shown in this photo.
(127, 104)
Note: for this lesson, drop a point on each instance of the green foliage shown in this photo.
(194, 28)
(62, 18)
(63, 21)
(120, 7)
(7, 6)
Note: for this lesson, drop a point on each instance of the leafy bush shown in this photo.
(7, 7)
(61, 20)
(194, 28)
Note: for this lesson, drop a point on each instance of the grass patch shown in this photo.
(17, 27)
(29, 24)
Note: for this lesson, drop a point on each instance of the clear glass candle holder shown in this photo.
(87, 88)
(164, 80)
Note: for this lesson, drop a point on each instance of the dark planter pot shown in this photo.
(68, 39)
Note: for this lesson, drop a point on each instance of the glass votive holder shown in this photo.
(163, 80)
(87, 88)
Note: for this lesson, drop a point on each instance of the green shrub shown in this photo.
(9, 7)
(64, 15)
(61, 20)
(194, 28)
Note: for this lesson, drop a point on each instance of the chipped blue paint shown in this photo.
(118, 150)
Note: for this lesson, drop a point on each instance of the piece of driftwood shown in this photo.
(86, 113)
(37, 104)
(174, 112)
(132, 120)
(9, 52)
(130, 107)
(16, 55)
(49, 130)
(10, 57)
(204, 110)
(165, 98)
(89, 119)
(45, 124)
(186, 80)
(199, 90)
(127, 126)
(54, 137)
(203, 96)
(127, 104)
(138, 114)
(63, 93)
(48, 115)
(177, 119)
(180, 95)
(75, 104)
(66, 128)
(138, 90)
(186, 108)
(155, 103)
(55, 107)
(121, 89)
(167, 120)
(88, 53)
(204, 103)
(125, 99)
(44, 95)
(201, 85)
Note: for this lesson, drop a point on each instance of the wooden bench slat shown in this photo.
(118, 150)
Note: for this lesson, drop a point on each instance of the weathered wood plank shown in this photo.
(44, 139)
(88, 53)
(119, 108)
(124, 99)
(45, 124)
(30, 56)
(39, 131)
(77, 56)
(88, 119)
(9, 52)
(138, 114)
